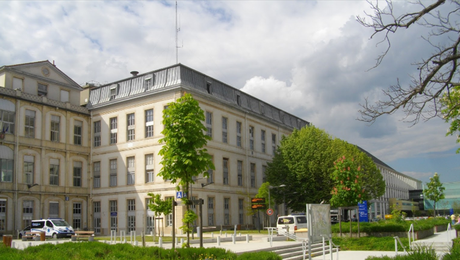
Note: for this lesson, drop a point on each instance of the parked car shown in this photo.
(23, 232)
(291, 223)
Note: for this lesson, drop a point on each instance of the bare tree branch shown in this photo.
(437, 74)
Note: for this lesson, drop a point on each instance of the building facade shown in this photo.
(44, 147)
(126, 128)
(90, 154)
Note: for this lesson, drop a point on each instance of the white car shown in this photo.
(291, 223)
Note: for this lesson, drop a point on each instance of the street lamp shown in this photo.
(269, 201)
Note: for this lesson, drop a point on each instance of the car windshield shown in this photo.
(60, 222)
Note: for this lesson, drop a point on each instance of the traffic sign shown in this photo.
(179, 195)
(269, 212)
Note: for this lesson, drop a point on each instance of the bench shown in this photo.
(83, 234)
(31, 235)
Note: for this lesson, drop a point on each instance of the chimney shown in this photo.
(134, 73)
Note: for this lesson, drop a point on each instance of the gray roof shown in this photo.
(178, 75)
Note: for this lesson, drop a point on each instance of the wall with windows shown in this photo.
(126, 129)
(45, 152)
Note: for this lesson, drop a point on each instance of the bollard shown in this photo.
(221, 232)
(135, 243)
(218, 241)
(7, 239)
(212, 234)
(198, 230)
(247, 238)
(233, 239)
(13, 244)
(225, 234)
(160, 241)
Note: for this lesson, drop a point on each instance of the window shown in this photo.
(29, 169)
(226, 211)
(273, 143)
(238, 134)
(240, 173)
(6, 169)
(29, 124)
(149, 173)
(77, 130)
(113, 208)
(241, 211)
(251, 138)
(148, 83)
(264, 174)
(210, 211)
(17, 83)
(113, 172)
(65, 96)
(209, 87)
(113, 130)
(97, 217)
(209, 124)
(131, 170)
(131, 215)
(97, 133)
(7, 121)
(27, 212)
(113, 91)
(55, 122)
(131, 126)
(238, 100)
(76, 217)
(224, 130)
(149, 123)
(150, 218)
(97, 174)
(253, 175)
(2, 214)
(77, 174)
(54, 209)
(225, 170)
(169, 217)
(262, 139)
(210, 178)
(42, 89)
(54, 172)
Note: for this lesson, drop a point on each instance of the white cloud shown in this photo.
(309, 58)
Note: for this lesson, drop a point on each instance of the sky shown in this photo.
(309, 58)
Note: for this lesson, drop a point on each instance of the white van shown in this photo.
(53, 227)
(291, 223)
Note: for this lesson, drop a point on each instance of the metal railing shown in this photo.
(396, 245)
(409, 233)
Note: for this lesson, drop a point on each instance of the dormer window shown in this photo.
(209, 87)
(147, 83)
(113, 92)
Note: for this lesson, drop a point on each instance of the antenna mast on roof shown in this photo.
(177, 36)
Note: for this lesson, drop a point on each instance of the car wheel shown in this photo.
(54, 235)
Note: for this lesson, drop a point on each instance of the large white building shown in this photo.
(90, 155)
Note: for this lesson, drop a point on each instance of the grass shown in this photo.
(369, 243)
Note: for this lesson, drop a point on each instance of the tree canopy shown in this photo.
(437, 75)
(434, 190)
(304, 162)
(183, 155)
(451, 111)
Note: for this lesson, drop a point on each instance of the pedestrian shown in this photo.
(452, 217)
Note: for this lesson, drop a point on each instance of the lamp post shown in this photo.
(269, 201)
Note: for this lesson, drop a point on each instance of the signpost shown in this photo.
(269, 212)
(258, 203)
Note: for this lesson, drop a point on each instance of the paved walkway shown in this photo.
(261, 242)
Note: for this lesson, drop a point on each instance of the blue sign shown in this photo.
(363, 212)
(179, 195)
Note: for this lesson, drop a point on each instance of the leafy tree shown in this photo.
(304, 162)
(438, 71)
(347, 181)
(183, 155)
(159, 206)
(451, 111)
(434, 191)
